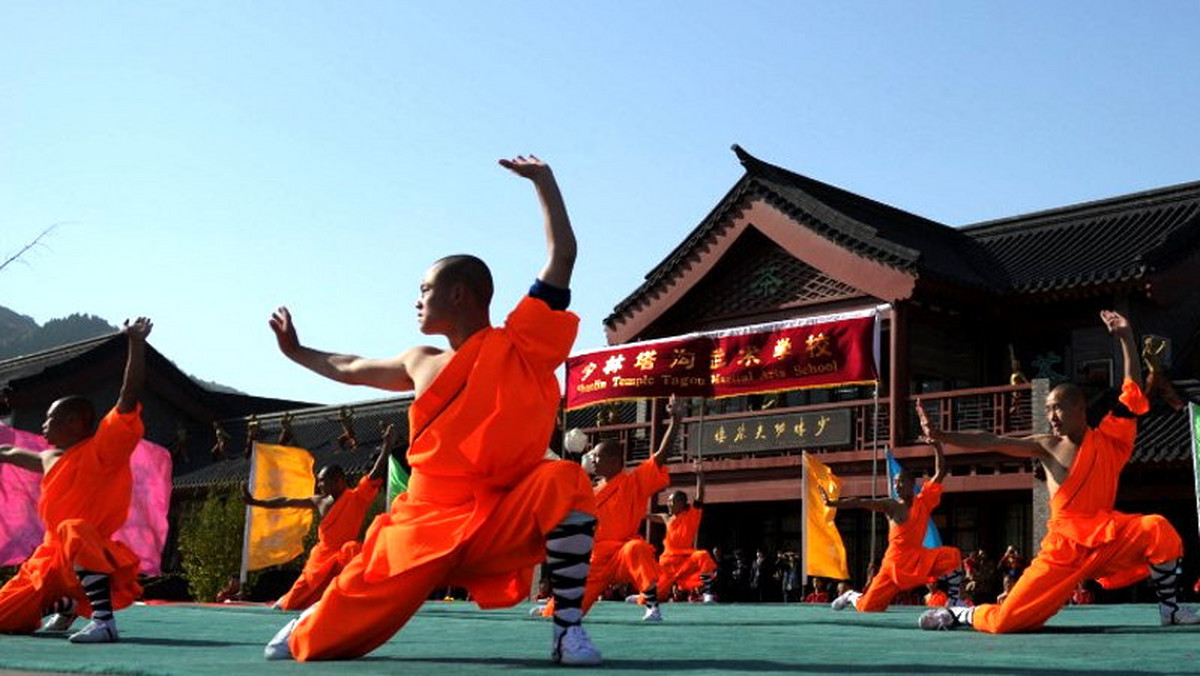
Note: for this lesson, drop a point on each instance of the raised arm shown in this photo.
(386, 374)
(674, 411)
(135, 364)
(379, 470)
(1118, 326)
(699, 465)
(560, 238)
(885, 505)
(22, 458)
(1028, 447)
(280, 503)
(939, 463)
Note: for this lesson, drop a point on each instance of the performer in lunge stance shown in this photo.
(86, 489)
(341, 510)
(681, 562)
(1086, 538)
(619, 555)
(482, 507)
(907, 563)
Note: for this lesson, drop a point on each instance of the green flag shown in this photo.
(397, 482)
(1194, 428)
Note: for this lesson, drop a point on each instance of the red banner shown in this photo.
(814, 352)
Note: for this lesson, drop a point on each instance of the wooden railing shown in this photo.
(1004, 410)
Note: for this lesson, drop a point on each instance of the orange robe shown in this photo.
(681, 562)
(337, 543)
(618, 554)
(1086, 538)
(906, 563)
(85, 499)
(481, 498)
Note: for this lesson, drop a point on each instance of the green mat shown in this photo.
(456, 638)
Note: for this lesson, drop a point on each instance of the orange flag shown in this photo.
(824, 553)
(275, 536)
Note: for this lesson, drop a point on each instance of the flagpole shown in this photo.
(804, 520)
(244, 572)
(874, 469)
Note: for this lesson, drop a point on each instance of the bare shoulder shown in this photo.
(423, 363)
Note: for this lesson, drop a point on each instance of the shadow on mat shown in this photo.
(183, 642)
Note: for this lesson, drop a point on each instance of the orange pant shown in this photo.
(49, 574)
(884, 587)
(316, 576)
(684, 569)
(354, 617)
(1061, 564)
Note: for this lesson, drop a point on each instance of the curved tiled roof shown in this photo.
(1104, 242)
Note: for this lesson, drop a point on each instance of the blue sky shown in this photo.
(208, 161)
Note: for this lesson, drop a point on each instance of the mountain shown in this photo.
(20, 335)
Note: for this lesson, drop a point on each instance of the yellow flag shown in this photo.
(824, 553)
(275, 536)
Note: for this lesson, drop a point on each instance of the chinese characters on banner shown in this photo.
(814, 352)
(819, 429)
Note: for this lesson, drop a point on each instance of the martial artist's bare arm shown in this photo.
(379, 470)
(386, 374)
(1028, 447)
(674, 411)
(22, 458)
(939, 463)
(313, 502)
(560, 238)
(1118, 326)
(135, 364)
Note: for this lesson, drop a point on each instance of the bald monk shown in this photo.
(681, 562)
(341, 510)
(1086, 538)
(483, 507)
(86, 489)
(619, 555)
(907, 563)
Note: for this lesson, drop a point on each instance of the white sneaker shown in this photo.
(937, 619)
(653, 614)
(708, 598)
(537, 610)
(633, 598)
(573, 648)
(277, 648)
(96, 632)
(847, 598)
(1178, 616)
(57, 623)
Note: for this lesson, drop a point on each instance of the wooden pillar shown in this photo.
(898, 381)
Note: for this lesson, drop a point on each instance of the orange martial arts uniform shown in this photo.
(481, 498)
(618, 554)
(906, 563)
(681, 562)
(337, 544)
(1087, 538)
(85, 499)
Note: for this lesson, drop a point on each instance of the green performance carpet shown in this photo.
(457, 638)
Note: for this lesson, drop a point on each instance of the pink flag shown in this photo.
(145, 530)
(20, 527)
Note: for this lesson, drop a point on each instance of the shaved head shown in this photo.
(469, 271)
(1069, 394)
(79, 407)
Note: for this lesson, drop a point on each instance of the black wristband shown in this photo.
(555, 297)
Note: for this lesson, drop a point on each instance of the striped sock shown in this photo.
(650, 596)
(568, 558)
(1165, 577)
(65, 605)
(706, 580)
(954, 586)
(95, 586)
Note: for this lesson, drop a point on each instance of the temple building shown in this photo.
(978, 322)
